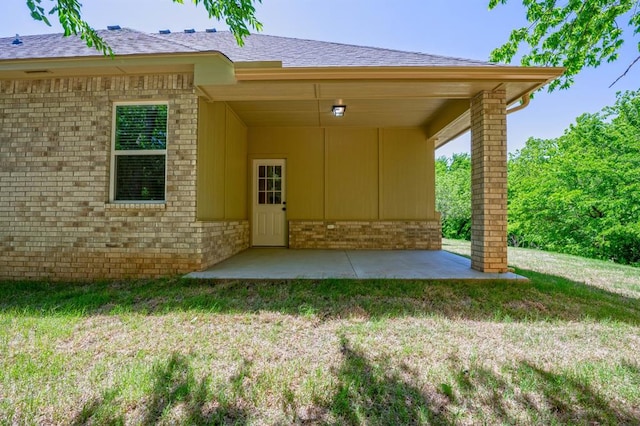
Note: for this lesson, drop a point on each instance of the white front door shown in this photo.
(269, 203)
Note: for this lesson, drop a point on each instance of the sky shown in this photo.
(460, 28)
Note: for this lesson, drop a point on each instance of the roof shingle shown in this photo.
(291, 52)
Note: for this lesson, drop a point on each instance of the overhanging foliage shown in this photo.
(573, 34)
(238, 14)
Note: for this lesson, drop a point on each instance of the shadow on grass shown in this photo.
(101, 410)
(527, 394)
(546, 297)
(373, 393)
(369, 394)
(572, 401)
(176, 397)
(377, 392)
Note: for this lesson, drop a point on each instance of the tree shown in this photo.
(238, 14)
(580, 193)
(453, 195)
(574, 34)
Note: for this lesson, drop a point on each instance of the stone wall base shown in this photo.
(366, 235)
(221, 240)
(74, 264)
(212, 242)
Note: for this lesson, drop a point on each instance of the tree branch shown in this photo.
(626, 71)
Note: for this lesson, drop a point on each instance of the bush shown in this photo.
(518, 240)
(457, 228)
(622, 244)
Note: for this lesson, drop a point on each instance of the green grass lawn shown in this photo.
(563, 348)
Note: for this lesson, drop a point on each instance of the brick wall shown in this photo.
(489, 182)
(55, 217)
(375, 235)
(221, 240)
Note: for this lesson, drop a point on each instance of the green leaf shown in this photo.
(573, 35)
(238, 14)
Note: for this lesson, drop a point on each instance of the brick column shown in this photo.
(489, 182)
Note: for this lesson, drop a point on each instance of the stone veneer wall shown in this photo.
(221, 240)
(55, 217)
(372, 235)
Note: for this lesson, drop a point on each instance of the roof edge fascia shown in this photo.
(434, 73)
(181, 58)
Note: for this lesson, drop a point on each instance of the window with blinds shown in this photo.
(139, 152)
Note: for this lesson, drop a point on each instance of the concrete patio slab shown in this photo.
(282, 263)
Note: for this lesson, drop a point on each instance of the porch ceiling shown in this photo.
(360, 112)
(436, 100)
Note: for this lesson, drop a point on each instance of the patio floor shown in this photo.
(282, 263)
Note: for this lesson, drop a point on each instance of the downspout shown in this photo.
(525, 102)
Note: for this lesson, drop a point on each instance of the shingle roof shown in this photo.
(309, 53)
(291, 52)
(124, 42)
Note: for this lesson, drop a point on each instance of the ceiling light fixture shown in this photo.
(338, 110)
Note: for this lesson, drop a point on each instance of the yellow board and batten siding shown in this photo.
(332, 173)
(352, 173)
(236, 167)
(222, 163)
(303, 149)
(407, 175)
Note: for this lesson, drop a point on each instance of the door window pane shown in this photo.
(269, 184)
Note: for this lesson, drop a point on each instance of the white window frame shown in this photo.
(112, 173)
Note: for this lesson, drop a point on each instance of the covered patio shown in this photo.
(363, 179)
(282, 263)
